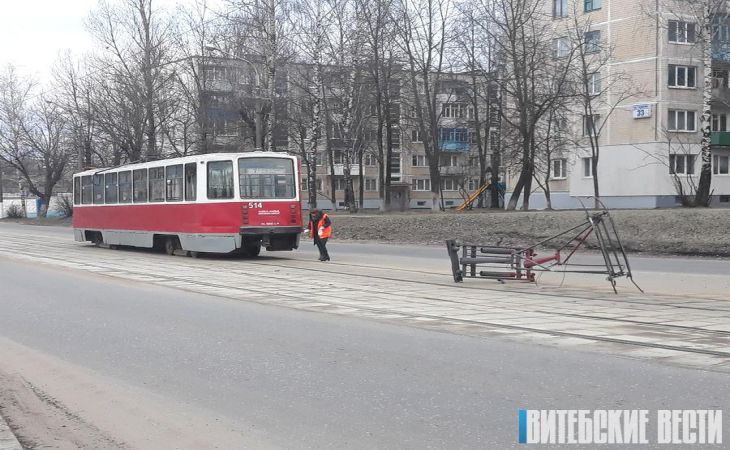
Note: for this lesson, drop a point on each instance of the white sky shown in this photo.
(33, 33)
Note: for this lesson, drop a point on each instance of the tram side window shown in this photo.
(157, 184)
(110, 189)
(220, 179)
(264, 178)
(191, 175)
(125, 186)
(174, 183)
(87, 194)
(77, 190)
(98, 189)
(140, 185)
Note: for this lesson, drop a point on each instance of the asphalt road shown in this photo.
(664, 275)
(435, 257)
(308, 380)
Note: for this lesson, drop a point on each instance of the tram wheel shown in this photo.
(252, 250)
(171, 244)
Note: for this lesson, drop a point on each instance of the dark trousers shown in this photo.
(322, 246)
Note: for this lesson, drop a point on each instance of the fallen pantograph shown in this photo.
(523, 263)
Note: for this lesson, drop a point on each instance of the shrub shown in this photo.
(14, 211)
(65, 205)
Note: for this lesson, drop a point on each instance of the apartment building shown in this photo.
(232, 104)
(649, 143)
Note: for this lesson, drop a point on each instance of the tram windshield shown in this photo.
(266, 178)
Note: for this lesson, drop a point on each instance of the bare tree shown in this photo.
(424, 37)
(33, 136)
(476, 51)
(136, 41)
(532, 77)
(381, 60)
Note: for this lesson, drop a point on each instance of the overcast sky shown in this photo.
(34, 32)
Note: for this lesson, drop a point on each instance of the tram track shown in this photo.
(480, 322)
(183, 264)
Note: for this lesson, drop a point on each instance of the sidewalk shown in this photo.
(7, 438)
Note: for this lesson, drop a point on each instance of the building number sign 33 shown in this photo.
(642, 111)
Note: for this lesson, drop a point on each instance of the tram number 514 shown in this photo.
(255, 205)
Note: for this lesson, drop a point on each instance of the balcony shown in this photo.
(720, 92)
(454, 146)
(453, 170)
(453, 139)
(340, 169)
(721, 138)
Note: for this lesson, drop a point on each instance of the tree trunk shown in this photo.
(703, 188)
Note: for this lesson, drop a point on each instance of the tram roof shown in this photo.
(182, 160)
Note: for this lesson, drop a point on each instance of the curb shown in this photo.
(8, 441)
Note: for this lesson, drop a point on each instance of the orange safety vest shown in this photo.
(327, 232)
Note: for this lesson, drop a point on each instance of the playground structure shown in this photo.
(523, 263)
(473, 197)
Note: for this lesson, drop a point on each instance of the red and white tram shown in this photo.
(218, 203)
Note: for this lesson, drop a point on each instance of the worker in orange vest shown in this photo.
(320, 228)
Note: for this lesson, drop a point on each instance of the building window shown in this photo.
(682, 32)
(561, 47)
(110, 188)
(720, 29)
(157, 184)
(719, 122)
(125, 186)
(139, 180)
(369, 159)
(682, 76)
(416, 135)
(304, 184)
(449, 184)
(587, 167)
(225, 127)
(493, 139)
(558, 169)
(174, 183)
(419, 161)
(720, 164)
(395, 136)
(220, 179)
(591, 5)
(682, 120)
(421, 184)
(340, 183)
(560, 8)
(592, 41)
(681, 164)
(594, 83)
(371, 184)
(338, 157)
(455, 110)
(449, 161)
(591, 125)
(725, 199)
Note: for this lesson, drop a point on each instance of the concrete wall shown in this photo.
(30, 205)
